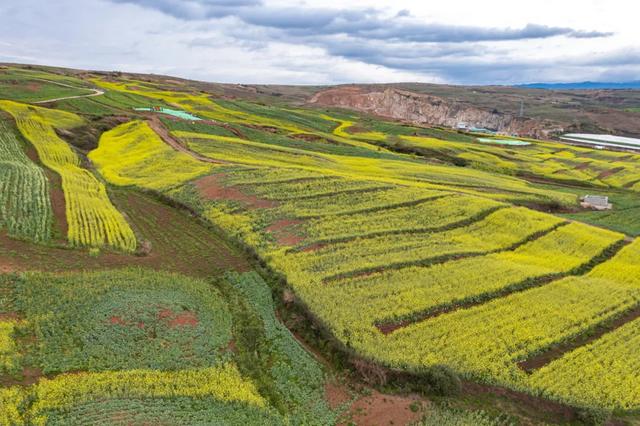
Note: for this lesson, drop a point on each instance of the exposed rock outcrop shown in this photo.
(430, 110)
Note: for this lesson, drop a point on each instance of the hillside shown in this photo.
(286, 255)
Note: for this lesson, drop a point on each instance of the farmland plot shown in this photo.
(461, 277)
(411, 293)
(133, 154)
(487, 341)
(139, 347)
(25, 208)
(92, 218)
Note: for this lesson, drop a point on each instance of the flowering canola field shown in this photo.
(92, 218)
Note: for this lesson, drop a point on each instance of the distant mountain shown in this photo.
(585, 85)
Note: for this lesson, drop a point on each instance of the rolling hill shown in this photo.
(311, 255)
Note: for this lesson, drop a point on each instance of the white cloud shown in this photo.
(326, 42)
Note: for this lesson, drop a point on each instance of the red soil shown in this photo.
(9, 316)
(380, 409)
(335, 395)
(58, 203)
(212, 188)
(232, 347)
(582, 166)
(6, 266)
(117, 320)
(29, 376)
(610, 172)
(308, 137)
(33, 87)
(165, 313)
(178, 243)
(284, 230)
(232, 129)
(184, 318)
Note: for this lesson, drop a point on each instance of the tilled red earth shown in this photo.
(212, 188)
(379, 409)
(284, 230)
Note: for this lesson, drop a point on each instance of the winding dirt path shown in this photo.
(157, 126)
(96, 92)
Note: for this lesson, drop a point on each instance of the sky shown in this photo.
(331, 41)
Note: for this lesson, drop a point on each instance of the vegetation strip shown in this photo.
(438, 259)
(330, 194)
(388, 327)
(412, 203)
(536, 362)
(459, 224)
(285, 181)
(93, 220)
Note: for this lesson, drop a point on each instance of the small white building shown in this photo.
(596, 202)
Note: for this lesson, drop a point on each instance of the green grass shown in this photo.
(25, 208)
(127, 319)
(297, 378)
(20, 86)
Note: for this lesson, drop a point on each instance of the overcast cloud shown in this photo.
(326, 42)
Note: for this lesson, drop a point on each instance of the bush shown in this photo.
(593, 416)
(443, 381)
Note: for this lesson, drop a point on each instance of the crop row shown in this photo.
(431, 213)
(92, 218)
(546, 159)
(25, 208)
(500, 230)
(512, 321)
(401, 170)
(408, 293)
(8, 360)
(314, 200)
(296, 376)
(486, 341)
(604, 373)
(62, 393)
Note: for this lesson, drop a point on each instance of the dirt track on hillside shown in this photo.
(165, 135)
(96, 92)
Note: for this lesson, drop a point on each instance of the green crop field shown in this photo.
(238, 267)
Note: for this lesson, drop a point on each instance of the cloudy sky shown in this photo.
(331, 41)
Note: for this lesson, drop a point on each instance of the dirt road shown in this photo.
(96, 92)
(166, 136)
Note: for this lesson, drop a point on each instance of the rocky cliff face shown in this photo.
(430, 110)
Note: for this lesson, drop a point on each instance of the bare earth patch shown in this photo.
(212, 188)
(610, 172)
(378, 409)
(335, 395)
(285, 231)
(184, 319)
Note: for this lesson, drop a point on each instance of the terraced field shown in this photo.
(433, 265)
(25, 208)
(92, 219)
(409, 250)
(136, 346)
